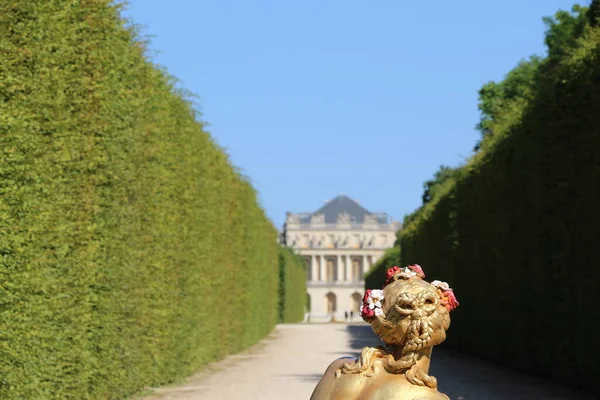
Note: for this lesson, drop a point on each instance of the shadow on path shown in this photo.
(463, 377)
(361, 336)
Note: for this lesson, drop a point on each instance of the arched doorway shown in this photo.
(356, 301)
(330, 303)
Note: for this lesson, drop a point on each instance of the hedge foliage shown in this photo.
(132, 252)
(292, 286)
(375, 277)
(515, 233)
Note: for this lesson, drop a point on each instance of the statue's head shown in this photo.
(409, 311)
(410, 314)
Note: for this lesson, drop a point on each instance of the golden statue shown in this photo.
(410, 315)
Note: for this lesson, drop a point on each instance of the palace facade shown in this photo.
(339, 243)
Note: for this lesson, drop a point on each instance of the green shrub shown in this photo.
(292, 286)
(132, 252)
(515, 233)
(375, 277)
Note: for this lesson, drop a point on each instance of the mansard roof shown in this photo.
(343, 204)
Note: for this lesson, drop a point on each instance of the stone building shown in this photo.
(339, 243)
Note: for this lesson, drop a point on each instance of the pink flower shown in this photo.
(367, 295)
(451, 301)
(417, 268)
(367, 312)
(391, 272)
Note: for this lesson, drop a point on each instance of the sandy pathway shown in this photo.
(289, 364)
(286, 365)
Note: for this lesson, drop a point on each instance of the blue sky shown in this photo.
(315, 98)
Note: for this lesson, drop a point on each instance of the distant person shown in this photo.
(351, 316)
(346, 316)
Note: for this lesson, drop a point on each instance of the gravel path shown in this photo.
(289, 363)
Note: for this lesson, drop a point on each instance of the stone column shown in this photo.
(322, 269)
(314, 270)
(340, 268)
(365, 266)
(348, 268)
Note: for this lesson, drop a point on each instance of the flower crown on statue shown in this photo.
(373, 299)
(447, 297)
(395, 273)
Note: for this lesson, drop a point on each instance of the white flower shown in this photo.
(373, 303)
(361, 308)
(377, 294)
(374, 300)
(407, 273)
(441, 285)
(379, 312)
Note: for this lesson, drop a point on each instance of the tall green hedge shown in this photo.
(516, 233)
(292, 286)
(131, 251)
(375, 277)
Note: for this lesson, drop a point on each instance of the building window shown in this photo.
(356, 270)
(330, 271)
(356, 240)
(331, 240)
(384, 240)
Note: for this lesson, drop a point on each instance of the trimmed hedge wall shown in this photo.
(131, 251)
(375, 277)
(292, 286)
(516, 233)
